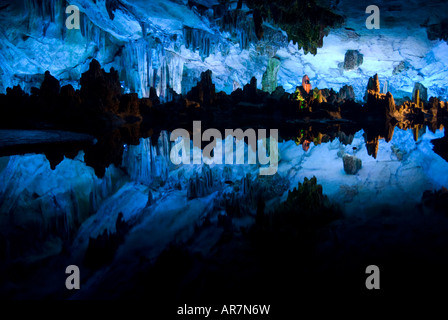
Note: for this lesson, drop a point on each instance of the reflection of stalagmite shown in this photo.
(372, 147)
(418, 130)
(416, 98)
(390, 128)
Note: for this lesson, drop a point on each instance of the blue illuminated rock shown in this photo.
(351, 164)
(353, 59)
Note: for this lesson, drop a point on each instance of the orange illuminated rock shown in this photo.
(306, 83)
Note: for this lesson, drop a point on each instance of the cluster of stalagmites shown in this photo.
(417, 109)
(305, 207)
(319, 103)
(99, 103)
(305, 22)
(248, 197)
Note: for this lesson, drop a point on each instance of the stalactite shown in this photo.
(240, 25)
(145, 64)
(199, 41)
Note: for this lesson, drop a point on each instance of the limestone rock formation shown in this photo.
(352, 60)
(269, 80)
(100, 90)
(402, 66)
(441, 146)
(422, 90)
(379, 103)
(436, 201)
(101, 250)
(204, 92)
(306, 203)
(352, 164)
(50, 86)
(305, 22)
(346, 93)
(373, 84)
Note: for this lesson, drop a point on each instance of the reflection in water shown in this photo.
(109, 146)
(147, 203)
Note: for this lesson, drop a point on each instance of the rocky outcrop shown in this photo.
(129, 105)
(379, 104)
(373, 84)
(101, 250)
(250, 90)
(352, 60)
(98, 104)
(145, 105)
(352, 164)
(245, 200)
(71, 100)
(99, 108)
(432, 108)
(153, 96)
